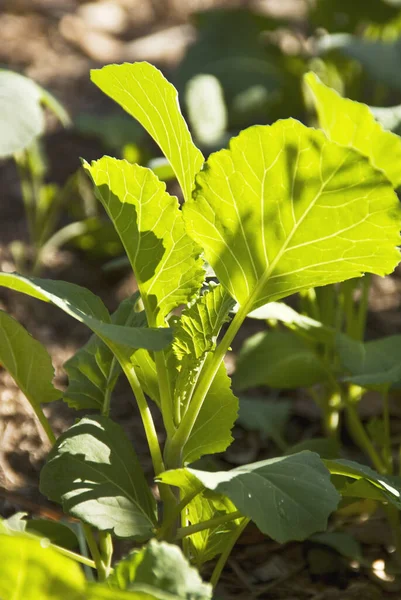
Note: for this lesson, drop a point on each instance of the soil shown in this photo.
(57, 42)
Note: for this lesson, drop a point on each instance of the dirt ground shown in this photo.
(56, 42)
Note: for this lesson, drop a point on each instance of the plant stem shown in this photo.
(174, 514)
(363, 307)
(227, 551)
(74, 556)
(107, 394)
(181, 436)
(387, 436)
(166, 400)
(45, 424)
(191, 529)
(106, 550)
(94, 550)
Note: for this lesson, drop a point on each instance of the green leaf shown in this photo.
(343, 543)
(27, 361)
(30, 571)
(278, 359)
(145, 94)
(163, 567)
(56, 532)
(320, 214)
(354, 470)
(269, 417)
(288, 498)
(94, 473)
(380, 59)
(352, 124)
(93, 371)
(82, 305)
(150, 224)
(325, 448)
(343, 15)
(371, 364)
(212, 430)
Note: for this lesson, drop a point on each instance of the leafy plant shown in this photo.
(283, 209)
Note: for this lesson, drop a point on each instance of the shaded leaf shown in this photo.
(31, 571)
(93, 371)
(325, 448)
(144, 93)
(371, 364)
(95, 474)
(269, 417)
(163, 567)
(149, 222)
(27, 361)
(320, 214)
(278, 359)
(82, 305)
(288, 498)
(351, 123)
(343, 543)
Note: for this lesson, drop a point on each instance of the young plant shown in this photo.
(282, 210)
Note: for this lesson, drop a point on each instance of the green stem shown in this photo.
(183, 532)
(360, 436)
(174, 514)
(166, 400)
(106, 550)
(45, 424)
(387, 437)
(94, 550)
(393, 518)
(74, 556)
(363, 306)
(176, 444)
(227, 551)
(109, 388)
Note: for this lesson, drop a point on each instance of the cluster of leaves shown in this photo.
(284, 209)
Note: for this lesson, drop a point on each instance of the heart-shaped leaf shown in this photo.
(285, 209)
(95, 474)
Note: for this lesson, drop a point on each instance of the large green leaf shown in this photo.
(164, 567)
(27, 361)
(93, 370)
(371, 364)
(82, 305)
(145, 94)
(95, 474)
(268, 417)
(279, 359)
(149, 222)
(30, 571)
(285, 209)
(288, 498)
(352, 124)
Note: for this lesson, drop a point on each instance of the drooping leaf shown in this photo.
(278, 359)
(288, 498)
(145, 94)
(351, 123)
(320, 214)
(268, 417)
(279, 311)
(95, 474)
(27, 361)
(82, 305)
(164, 567)
(93, 371)
(149, 222)
(371, 364)
(389, 491)
(31, 571)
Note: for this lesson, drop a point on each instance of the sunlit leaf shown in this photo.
(145, 94)
(82, 305)
(149, 222)
(352, 124)
(320, 214)
(95, 474)
(30, 570)
(288, 498)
